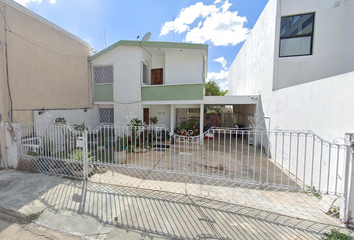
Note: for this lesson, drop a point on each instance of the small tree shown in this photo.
(214, 90)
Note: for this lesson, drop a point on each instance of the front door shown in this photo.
(157, 76)
(146, 115)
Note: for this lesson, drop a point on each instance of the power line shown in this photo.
(9, 29)
(77, 56)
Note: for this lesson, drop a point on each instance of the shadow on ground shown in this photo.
(101, 210)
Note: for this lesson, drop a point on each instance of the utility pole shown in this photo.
(7, 69)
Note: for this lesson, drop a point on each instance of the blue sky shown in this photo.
(223, 24)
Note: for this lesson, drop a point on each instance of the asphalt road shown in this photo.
(16, 226)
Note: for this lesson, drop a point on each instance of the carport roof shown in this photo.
(230, 100)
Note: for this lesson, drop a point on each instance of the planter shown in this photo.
(139, 150)
(120, 157)
(80, 172)
(102, 169)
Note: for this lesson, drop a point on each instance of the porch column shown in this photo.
(201, 122)
(173, 117)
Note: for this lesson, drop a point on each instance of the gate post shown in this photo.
(12, 135)
(84, 153)
(349, 182)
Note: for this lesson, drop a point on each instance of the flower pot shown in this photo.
(139, 150)
(120, 157)
(80, 173)
(102, 169)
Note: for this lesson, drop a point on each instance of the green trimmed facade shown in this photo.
(103, 93)
(172, 92)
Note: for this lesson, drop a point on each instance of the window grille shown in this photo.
(107, 115)
(103, 74)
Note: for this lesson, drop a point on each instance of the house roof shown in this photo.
(177, 45)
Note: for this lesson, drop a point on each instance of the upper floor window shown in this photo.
(296, 35)
(103, 74)
(145, 74)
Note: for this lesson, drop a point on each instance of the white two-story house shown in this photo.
(150, 79)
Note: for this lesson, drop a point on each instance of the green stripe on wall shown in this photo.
(172, 92)
(103, 93)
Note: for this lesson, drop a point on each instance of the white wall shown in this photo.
(320, 105)
(183, 68)
(331, 51)
(147, 59)
(323, 104)
(162, 112)
(158, 61)
(77, 116)
(324, 107)
(252, 70)
(126, 62)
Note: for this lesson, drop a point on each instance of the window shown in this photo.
(103, 74)
(296, 35)
(107, 115)
(145, 74)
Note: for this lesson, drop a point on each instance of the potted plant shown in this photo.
(60, 120)
(154, 120)
(120, 153)
(77, 168)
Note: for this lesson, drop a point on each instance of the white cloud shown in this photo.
(25, 2)
(186, 17)
(221, 78)
(221, 60)
(216, 24)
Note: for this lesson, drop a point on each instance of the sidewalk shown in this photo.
(100, 211)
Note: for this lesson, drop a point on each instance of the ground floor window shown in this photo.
(107, 115)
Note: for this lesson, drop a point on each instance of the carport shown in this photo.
(242, 108)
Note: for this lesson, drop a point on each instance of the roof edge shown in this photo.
(151, 44)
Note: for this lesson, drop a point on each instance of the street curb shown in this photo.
(18, 217)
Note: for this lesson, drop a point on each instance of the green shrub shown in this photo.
(336, 235)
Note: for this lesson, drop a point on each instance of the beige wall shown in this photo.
(47, 68)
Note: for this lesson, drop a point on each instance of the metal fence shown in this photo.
(291, 171)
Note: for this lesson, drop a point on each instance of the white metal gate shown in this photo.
(291, 171)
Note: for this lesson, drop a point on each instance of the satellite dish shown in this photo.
(146, 36)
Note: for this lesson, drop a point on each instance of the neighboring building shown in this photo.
(47, 66)
(150, 79)
(299, 58)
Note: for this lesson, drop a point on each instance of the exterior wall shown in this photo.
(183, 68)
(158, 61)
(305, 106)
(173, 92)
(91, 117)
(103, 93)
(162, 112)
(324, 107)
(331, 51)
(252, 70)
(48, 66)
(300, 93)
(126, 62)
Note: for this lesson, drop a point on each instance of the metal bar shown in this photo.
(313, 159)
